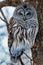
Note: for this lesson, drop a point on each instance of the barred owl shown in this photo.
(24, 30)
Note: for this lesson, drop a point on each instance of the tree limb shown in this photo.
(5, 20)
(2, 19)
(21, 61)
(8, 3)
(27, 56)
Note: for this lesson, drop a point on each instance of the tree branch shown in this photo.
(2, 19)
(8, 3)
(5, 20)
(27, 56)
(3, 4)
(21, 61)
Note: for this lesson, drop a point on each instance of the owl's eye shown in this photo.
(28, 13)
(20, 13)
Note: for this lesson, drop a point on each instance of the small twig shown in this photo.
(5, 20)
(21, 61)
(2, 19)
(27, 56)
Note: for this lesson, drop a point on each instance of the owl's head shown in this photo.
(25, 12)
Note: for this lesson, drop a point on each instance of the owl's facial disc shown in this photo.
(24, 12)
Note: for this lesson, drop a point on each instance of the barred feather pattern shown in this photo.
(24, 36)
(24, 31)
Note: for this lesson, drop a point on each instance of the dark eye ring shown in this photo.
(29, 13)
(20, 13)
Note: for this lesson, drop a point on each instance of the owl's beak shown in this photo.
(24, 18)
